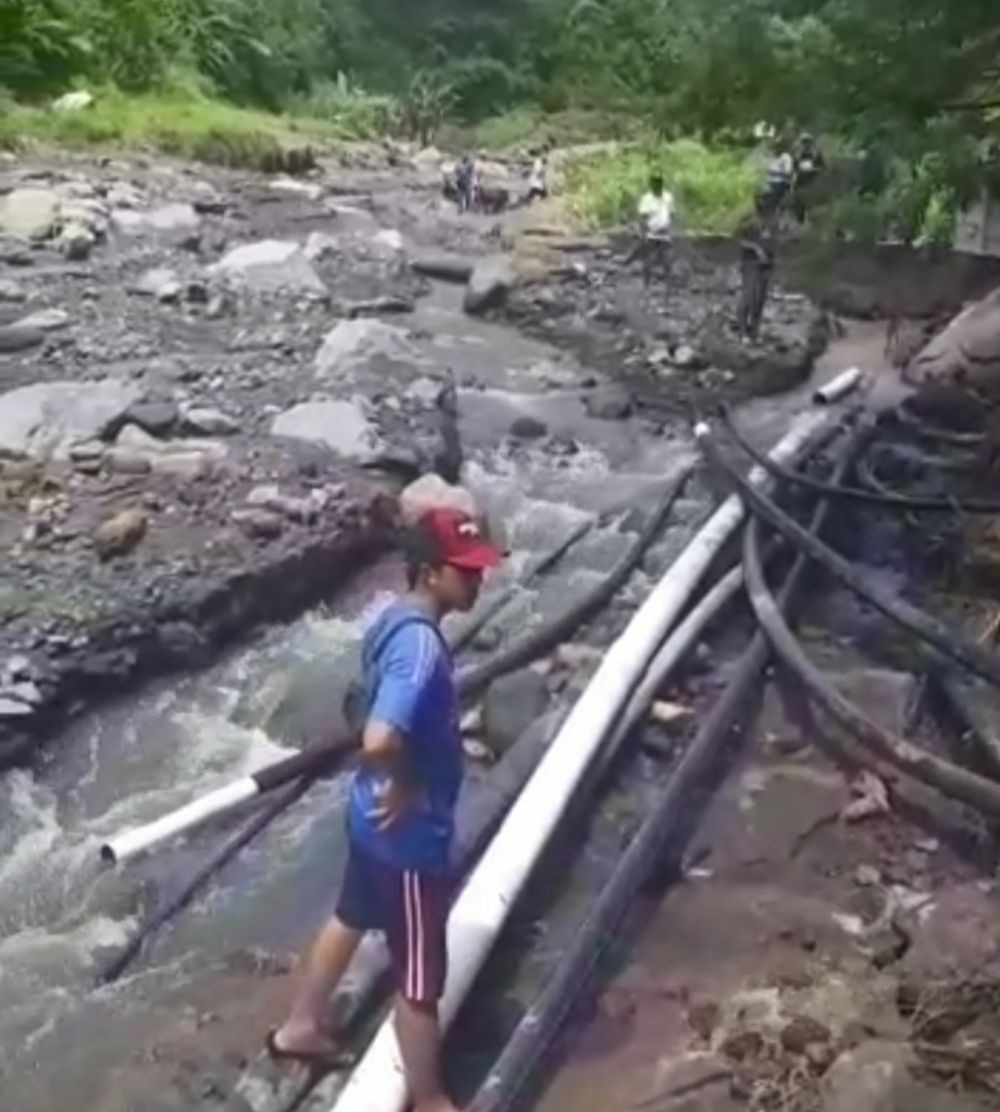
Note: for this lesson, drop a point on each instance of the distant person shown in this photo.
(538, 178)
(401, 812)
(809, 164)
(778, 179)
(656, 220)
(756, 274)
(466, 177)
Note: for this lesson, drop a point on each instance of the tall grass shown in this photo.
(714, 189)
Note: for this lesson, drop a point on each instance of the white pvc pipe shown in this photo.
(839, 387)
(131, 843)
(378, 1084)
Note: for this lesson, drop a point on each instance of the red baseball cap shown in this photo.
(460, 541)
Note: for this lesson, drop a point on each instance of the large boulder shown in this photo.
(969, 348)
(47, 419)
(341, 426)
(29, 213)
(489, 284)
(431, 492)
(353, 343)
(270, 266)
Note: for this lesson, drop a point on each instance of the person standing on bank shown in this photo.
(401, 812)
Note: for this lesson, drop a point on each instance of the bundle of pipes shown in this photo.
(378, 1085)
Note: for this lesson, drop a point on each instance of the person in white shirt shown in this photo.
(656, 217)
(538, 185)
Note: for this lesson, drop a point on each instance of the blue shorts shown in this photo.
(410, 908)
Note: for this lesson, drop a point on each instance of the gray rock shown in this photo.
(319, 245)
(46, 320)
(206, 421)
(339, 425)
(270, 266)
(14, 708)
(157, 418)
(446, 268)
(11, 291)
(354, 343)
(76, 241)
(29, 213)
(176, 217)
(876, 1078)
(259, 524)
(528, 428)
(511, 704)
(24, 692)
(47, 419)
(695, 1082)
(609, 403)
(161, 283)
(189, 465)
(15, 337)
(125, 461)
(489, 284)
(687, 358)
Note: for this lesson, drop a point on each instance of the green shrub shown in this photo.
(714, 188)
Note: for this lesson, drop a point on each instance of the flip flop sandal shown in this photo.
(331, 1061)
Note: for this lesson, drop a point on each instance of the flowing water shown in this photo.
(64, 1042)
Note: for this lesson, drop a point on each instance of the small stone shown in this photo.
(478, 751)
(76, 241)
(119, 535)
(801, 1031)
(47, 320)
(125, 461)
(16, 337)
(687, 358)
(14, 708)
(672, 716)
(18, 668)
(258, 524)
(88, 450)
(609, 403)
(209, 422)
(25, 692)
(528, 428)
(11, 291)
(867, 876)
(156, 418)
(820, 1056)
(742, 1046)
(161, 283)
(182, 465)
(703, 1018)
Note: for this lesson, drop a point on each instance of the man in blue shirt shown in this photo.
(401, 811)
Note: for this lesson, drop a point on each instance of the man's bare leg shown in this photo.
(305, 1029)
(419, 1033)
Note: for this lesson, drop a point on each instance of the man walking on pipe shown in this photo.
(401, 811)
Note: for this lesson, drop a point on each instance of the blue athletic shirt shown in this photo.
(409, 685)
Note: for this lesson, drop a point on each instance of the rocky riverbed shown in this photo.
(203, 434)
(193, 363)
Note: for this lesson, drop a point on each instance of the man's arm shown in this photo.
(409, 663)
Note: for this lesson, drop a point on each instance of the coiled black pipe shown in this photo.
(857, 494)
(953, 781)
(924, 625)
(664, 830)
(474, 680)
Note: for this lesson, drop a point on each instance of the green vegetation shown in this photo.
(713, 188)
(905, 93)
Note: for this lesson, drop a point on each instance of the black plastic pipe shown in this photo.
(857, 494)
(924, 625)
(954, 781)
(664, 831)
